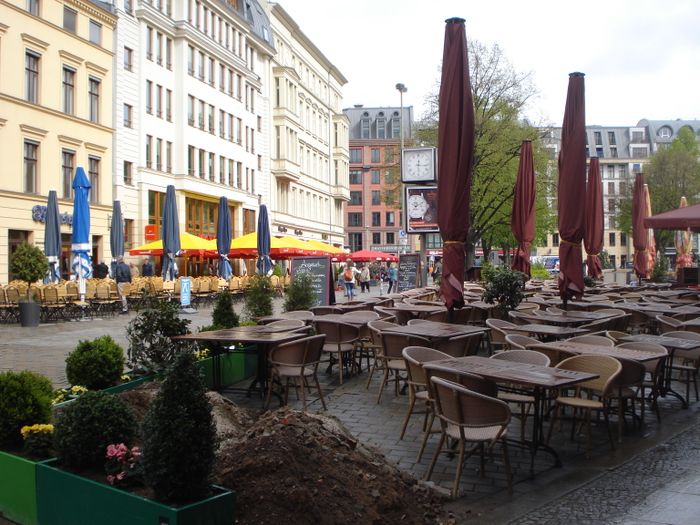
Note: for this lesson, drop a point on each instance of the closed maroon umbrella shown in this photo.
(572, 186)
(522, 218)
(593, 238)
(639, 232)
(455, 160)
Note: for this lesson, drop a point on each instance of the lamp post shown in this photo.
(402, 223)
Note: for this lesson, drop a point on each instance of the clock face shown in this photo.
(418, 165)
(417, 206)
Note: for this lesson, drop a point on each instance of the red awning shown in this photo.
(678, 219)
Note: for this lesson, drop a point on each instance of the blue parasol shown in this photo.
(81, 246)
(52, 239)
(116, 235)
(223, 238)
(171, 235)
(264, 263)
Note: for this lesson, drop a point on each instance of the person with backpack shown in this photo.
(122, 276)
(349, 273)
(364, 278)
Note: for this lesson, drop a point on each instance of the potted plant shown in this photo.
(504, 287)
(96, 364)
(29, 264)
(258, 297)
(25, 401)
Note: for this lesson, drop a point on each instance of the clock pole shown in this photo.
(403, 221)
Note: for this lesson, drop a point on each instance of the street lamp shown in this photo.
(401, 89)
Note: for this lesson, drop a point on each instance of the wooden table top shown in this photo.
(557, 331)
(668, 342)
(510, 371)
(418, 308)
(436, 330)
(304, 315)
(256, 335)
(344, 318)
(612, 351)
(557, 319)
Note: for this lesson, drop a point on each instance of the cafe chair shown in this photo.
(628, 386)
(668, 324)
(616, 335)
(304, 315)
(392, 358)
(340, 343)
(323, 310)
(460, 345)
(520, 342)
(498, 331)
(654, 370)
(296, 361)
(375, 332)
(598, 340)
(439, 316)
(689, 361)
(468, 417)
(524, 401)
(588, 396)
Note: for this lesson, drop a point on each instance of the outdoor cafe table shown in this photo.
(354, 320)
(538, 379)
(263, 336)
(671, 344)
(435, 331)
(546, 331)
(415, 310)
(298, 314)
(612, 351)
(566, 318)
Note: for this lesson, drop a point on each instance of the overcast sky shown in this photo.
(641, 57)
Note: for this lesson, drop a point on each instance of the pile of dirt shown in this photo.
(299, 468)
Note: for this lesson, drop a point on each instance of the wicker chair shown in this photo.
(520, 342)
(689, 361)
(339, 344)
(668, 324)
(654, 369)
(469, 417)
(296, 361)
(375, 333)
(597, 340)
(596, 390)
(628, 386)
(392, 358)
(460, 345)
(498, 332)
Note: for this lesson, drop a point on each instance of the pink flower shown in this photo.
(121, 476)
(110, 479)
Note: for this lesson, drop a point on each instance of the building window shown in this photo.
(381, 128)
(611, 138)
(33, 7)
(354, 219)
(94, 96)
(555, 239)
(128, 116)
(169, 156)
(169, 105)
(95, 32)
(389, 155)
(395, 126)
(611, 239)
(611, 188)
(375, 177)
(390, 238)
(389, 218)
(355, 177)
(376, 197)
(70, 19)
(128, 175)
(355, 198)
(623, 239)
(611, 206)
(128, 6)
(598, 138)
(149, 150)
(149, 97)
(159, 154)
(67, 166)
(190, 60)
(190, 160)
(128, 58)
(376, 238)
(94, 176)
(356, 155)
(31, 77)
(68, 91)
(375, 155)
(355, 241)
(376, 218)
(31, 160)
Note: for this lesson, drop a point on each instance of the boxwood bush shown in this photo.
(25, 399)
(95, 364)
(88, 424)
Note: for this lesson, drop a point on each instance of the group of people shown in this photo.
(351, 274)
(124, 273)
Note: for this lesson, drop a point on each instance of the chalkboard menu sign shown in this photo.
(321, 277)
(409, 272)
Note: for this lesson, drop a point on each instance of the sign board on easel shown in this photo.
(409, 272)
(319, 268)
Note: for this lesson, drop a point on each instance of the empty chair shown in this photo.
(520, 342)
(654, 368)
(296, 361)
(287, 324)
(339, 344)
(498, 332)
(305, 315)
(628, 386)
(375, 332)
(668, 324)
(384, 313)
(611, 312)
(392, 358)
(598, 340)
(469, 417)
(619, 322)
(599, 325)
(527, 307)
(517, 318)
(689, 360)
(555, 310)
(460, 345)
(615, 335)
(461, 315)
(363, 315)
(438, 315)
(323, 310)
(589, 395)
(523, 356)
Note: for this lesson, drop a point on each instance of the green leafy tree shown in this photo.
(300, 293)
(29, 264)
(224, 316)
(258, 297)
(505, 287)
(500, 96)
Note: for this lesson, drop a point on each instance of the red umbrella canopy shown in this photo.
(651, 242)
(455, 160)
(593, 239)
(639, 233)
(682, 218)
(369, 256)
(572, 185)
(522, 218)
(682, 242)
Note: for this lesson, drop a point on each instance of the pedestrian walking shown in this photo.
(147, 270)
(133, 270)
(349, 274)
(122, 276)
(364, 279)
(393, 277)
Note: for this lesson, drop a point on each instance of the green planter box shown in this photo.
(18, 488)
(64, 498)
(129, 385)
(235, 367)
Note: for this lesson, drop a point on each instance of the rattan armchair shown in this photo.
(339, 344)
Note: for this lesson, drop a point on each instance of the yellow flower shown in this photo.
(78, 390)
(38, 428)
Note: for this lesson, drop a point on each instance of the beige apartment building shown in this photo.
(55, 115)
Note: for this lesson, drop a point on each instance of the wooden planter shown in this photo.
(64, 498)
(18, 488)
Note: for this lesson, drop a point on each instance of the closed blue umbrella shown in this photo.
(171, 235)
(116, 234)
(223, 238)
(52, 239)
(264, 264)
(81, 246)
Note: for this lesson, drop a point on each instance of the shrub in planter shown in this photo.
(538, 271)
(659, 272)
(258, 297)
(38, 441)
(179, 436)
(300, 293)
(505, 287)
(151, 348)
(25, 399)
(86, 426)
(223, 315)
(95, 364)
(29, 264)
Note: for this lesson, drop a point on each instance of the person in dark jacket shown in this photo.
(122, 276)
(101, 270)
(147, 270)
